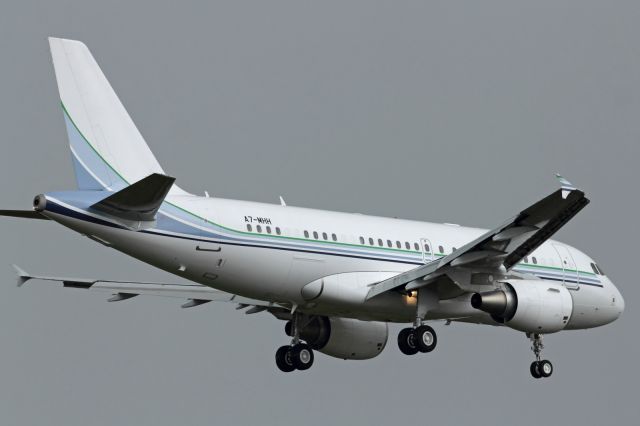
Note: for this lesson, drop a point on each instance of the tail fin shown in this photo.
(108, 151)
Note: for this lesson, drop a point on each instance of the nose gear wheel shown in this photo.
(540, 368)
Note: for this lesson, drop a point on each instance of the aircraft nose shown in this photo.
(619, 302)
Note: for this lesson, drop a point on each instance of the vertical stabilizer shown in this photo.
(107, 149)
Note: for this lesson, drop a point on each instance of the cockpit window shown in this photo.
(599, 269)
(596, 269)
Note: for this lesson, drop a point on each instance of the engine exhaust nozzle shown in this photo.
(39, 203)
(492, 302)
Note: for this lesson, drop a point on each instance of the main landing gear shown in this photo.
(294, 357)
(539, 368)
(298, 355)
(418, 339)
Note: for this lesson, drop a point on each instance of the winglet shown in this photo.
(565, 185)
(23, 276)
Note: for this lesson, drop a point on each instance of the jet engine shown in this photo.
(344, 338)
(532, 306)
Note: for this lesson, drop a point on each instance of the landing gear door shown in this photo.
(427, 250)
(570, 275)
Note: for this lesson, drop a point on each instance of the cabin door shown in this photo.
(427, 250)
(570, 275)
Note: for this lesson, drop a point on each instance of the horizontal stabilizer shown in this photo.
(139, 201)
(23, 214)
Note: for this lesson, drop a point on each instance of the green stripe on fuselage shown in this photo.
(284, 237)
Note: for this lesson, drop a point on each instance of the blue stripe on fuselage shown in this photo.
(167, 226)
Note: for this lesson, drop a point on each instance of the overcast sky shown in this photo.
(444, 111)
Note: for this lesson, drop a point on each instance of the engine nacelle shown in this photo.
(344, 338)
(532, 306)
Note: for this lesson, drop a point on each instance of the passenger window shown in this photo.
(407, 245)
(389, 243)
(361, 240)
(324, 236)
(426, 248)
(398, 244)
(277, 230)
(416, 246)
(370, 241)
(453, 249)
(268, 229)
(526, 259)
(306, 234)
(248, 227)
(315, 235)
(380, 242)
(333, 237)
(259, 228)
(534, 260)
(441, 249)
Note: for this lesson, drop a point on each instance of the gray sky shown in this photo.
(444, 111)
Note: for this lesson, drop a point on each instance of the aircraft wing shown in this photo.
(194, 294)
(502, 247)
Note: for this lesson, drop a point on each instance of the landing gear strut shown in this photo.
(420, 338)
(539, 368)
(298, 355)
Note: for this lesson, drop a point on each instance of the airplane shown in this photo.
(336, 279)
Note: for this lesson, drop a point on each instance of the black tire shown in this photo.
(302, 356)
(534, 370)
(284, 360)
(426, 339)
(407, 341)
(545, 368)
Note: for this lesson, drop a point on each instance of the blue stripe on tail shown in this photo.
(91, 171)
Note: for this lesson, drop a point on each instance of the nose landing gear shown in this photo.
(539, 368)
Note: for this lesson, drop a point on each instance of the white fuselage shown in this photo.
(271, 252)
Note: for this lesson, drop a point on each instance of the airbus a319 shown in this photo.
(335, 279)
